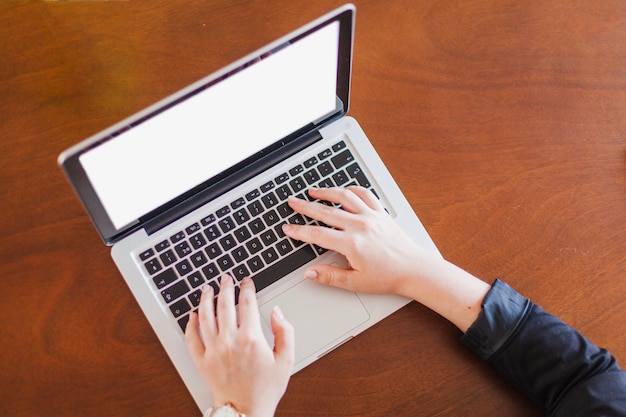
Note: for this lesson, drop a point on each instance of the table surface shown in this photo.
(503, 122)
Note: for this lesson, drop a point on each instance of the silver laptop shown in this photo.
(196, 186)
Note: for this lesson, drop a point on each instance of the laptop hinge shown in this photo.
(215, 190)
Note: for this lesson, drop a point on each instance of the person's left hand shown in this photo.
(233, 356)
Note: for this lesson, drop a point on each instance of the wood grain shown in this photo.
(503, 122)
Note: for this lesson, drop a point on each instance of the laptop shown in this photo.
(195, 186)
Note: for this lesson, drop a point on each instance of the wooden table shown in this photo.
(504, 122)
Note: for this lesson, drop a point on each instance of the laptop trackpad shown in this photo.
(320, 315)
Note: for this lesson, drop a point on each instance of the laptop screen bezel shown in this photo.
(70, 163)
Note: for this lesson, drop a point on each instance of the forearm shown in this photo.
(445, 288)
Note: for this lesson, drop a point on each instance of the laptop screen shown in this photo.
(180, 148)
(235, 115)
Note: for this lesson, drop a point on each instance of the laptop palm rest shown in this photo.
(322, 316)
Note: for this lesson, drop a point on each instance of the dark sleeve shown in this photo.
(553, 364)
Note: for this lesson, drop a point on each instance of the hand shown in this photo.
(382, 258)
(380, 254)
(235, 359)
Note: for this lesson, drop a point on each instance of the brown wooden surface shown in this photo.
(504, 122)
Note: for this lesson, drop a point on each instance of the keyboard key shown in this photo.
(215, 286)
(339, 146)
(271, 217)
(255, 263)
(283, 267)
(326, 183)
(320, 250)
(297, 219)
(165, 278)
(281, 178)
(310, 162)
(241, 216)
(208, 220)
(213, 250)
(225, 262)
(183, 249)
(342, 159)
(223, 211)
(240, 272)
(297, 185)
(268, 237)
(195, 279)
(284, 210)
(269, 200)
(240, 254)
(256, 226)
(178, 237)
(284, 247)
(324, 154)
(210, 271)
(267, 186)
(227, 224)
(325, 168)
(175, 291)
(254, 245)
(255, 208)
(228, 242)
(355, 171)
(161, 246)
(198, 259)
(238, 203)
(212, 232)
(182, 322)
(168, 257)
(296, 170)
(269, 255)
(147, 254)
(183, 267)
(242, 234)
(279, 230)
(153, 266)
(311, 176)
(197, 241)
(180, 307)
(192, 229)
(283, 192)
(252, 195)
(340, 178)
(194, 298)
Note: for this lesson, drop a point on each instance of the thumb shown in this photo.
(332, 275)
(284, 337)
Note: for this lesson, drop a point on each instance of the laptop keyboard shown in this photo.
(245, 237)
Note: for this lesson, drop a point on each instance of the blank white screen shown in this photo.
(167, 155)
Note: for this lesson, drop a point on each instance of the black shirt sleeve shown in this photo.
(553, 364)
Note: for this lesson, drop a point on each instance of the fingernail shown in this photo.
(311, 274)
(278, 312)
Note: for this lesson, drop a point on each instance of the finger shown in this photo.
(348, 200)
(192, 339)
(333, 276)
(248, 308)
(368, 197)
(226, 314)
(331, 216)
(319, 235)
(206, 313)
(284, 338)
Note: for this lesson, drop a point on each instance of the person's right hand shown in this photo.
(381, 256)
